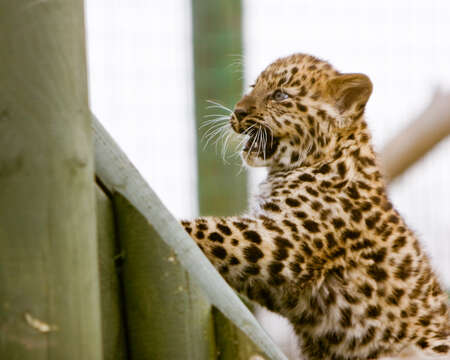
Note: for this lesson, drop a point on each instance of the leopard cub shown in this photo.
(322, 245)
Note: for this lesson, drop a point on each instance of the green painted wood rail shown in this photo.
(119, 175)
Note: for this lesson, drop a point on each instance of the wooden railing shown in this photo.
(163, 307)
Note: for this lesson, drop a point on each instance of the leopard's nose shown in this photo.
(240, 114)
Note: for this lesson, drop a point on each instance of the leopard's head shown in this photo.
(297, 111)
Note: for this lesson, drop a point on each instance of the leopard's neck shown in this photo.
(352, 159)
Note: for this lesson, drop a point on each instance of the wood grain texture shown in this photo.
(49, 293)
(120, 176)
(167, 317)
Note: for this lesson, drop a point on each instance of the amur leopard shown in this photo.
(322, 244)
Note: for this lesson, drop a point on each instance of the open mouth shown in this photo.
(261, 145)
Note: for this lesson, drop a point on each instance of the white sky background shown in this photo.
(141, 89)
(140, 61)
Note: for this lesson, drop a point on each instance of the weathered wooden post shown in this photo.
(166, 313)
(222, 187)
(49, 294)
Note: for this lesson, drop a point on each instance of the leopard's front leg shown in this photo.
(264, 260)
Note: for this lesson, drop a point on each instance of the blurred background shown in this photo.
(153, 66)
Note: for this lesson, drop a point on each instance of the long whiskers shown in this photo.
(218, 131)
(216, 105)
(213, 131)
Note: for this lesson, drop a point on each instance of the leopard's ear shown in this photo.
(349, 93)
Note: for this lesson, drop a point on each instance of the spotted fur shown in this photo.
(322, 244)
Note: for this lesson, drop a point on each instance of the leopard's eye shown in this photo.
(279, 95)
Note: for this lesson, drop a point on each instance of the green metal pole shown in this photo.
(49, 293)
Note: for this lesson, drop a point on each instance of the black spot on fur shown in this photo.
(234, 261)
(306, 249)
(294, 267)
(301, 107)
(280, 254)
(350, 234)
(252, 236)
(275, 267)
(395, 297)
(271, 207)
(311, 226)
(215, 237)
(399, 243)
(442, 349)
(301, 214)
(346, 317)
(240, 225)
(252, 253)
(295, 156)
(318, 244)
(404, 269)
(282, 242)
(356, 215)
(387, 335)
(338, 223)
(366, 289)
(266, 298)
(219, 252)
(224, 229)
(342, 169)
(334, 338)
(373, 311)
(252, 270)
(331, 241)
(422, 343)
(324, 169)
(352, 191)
(306, 178)
(291, 225)
(369, 335)
(402, 333)
(312, 191)
(376, 256)
(364, 244)
(377, 273)
(292, 202)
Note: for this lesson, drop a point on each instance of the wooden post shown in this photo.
(166, 315)
(418, 137)
(217, 42)
(113, 327)
(49, 293)
(217, 48)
